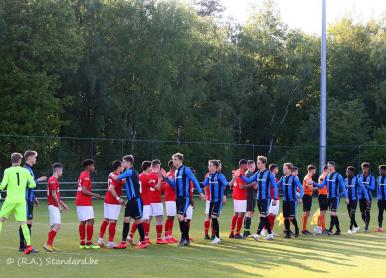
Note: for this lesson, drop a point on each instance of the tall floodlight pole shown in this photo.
(323, 92)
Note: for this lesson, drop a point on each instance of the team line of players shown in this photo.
(250, 188)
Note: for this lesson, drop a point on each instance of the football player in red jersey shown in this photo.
(55, 206)
(112, 205)
(84, 206)
(170, 205)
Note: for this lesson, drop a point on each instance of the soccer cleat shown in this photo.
(207, 237)
(216, 240)
(349, 232)
(92, 246)
(142, 245)
(212, 237)
(287, 235)
(48, 248)
(306, 232)
(82, 246)
(161, 241)
(34, 251)
(147, 240)
(329, 233)
(255, 237)
(183, 242)
(269, 237)
(238, 236)
(55, 249)
(246, 234)
(231, 235)
(275, 234)
(111, 245)
(379, 230)
(28, 250)
(355, 230)
(131, 241)
(264, 233)
(337, 233)
(21, 249)
(121, 245)
(100, 242)
(171, 240)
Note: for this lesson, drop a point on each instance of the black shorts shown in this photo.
(363, 205)
(263, 206)
(215, 208)
(182, 204)
(134, 208)
(251, 203)
(30, 210)
(307, 202)
(289, 208)
(352, 206)
(323, 202)
(333, 203)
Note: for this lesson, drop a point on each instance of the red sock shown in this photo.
(132, 230)
(147, 229)
(170, 225)
(51, 236)
(271, 221)
(112, 231)
(102, 231)
(158, 228)
(323, 220)
(239, 224)
(206, 226)
(233, 224)
(90, 231)
(82, 233)
(305, 218)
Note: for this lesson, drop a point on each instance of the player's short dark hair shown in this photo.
(129, 158)
(16, 158)
(243, 162)
(351, 168)
(332, 163)
(289, 165)
(272, 167)
(262, 159)
(311, 167)
(170, 163)
(382, 167)
(57, 165)
(214, 162)
(29, 153)
(179, 156)
(325, 167)
(116, 164)
(88, 162)
(146, 165)
(251, 162)
(365, 165)
(294, 169)
(155, 162)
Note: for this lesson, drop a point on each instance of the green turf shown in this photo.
(308, 256)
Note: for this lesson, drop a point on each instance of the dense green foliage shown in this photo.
(170, 70)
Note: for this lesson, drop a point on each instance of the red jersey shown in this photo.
(82, 199)
(272, 192)
(170, 193)
(53, 184)
(144, 178)
(109, 198)
(155, 195)
(239, 194)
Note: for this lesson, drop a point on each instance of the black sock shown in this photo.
(141, 232)
(187, 228)
(261, 225)
(367, 218)
(380, 215)
(332, 223)
(363, 214)
(216, 227)
(337, 223)
(125, 231)
(295, 223)
(267, 226)
(247, 223)
(21, 237)
(182, 229)
(287, 225)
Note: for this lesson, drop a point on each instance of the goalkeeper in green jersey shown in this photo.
(16, 179)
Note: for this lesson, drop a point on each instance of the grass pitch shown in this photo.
(357, 255)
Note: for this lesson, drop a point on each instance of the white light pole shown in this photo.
(323, 92)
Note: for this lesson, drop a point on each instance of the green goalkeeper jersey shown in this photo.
(16, 179)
